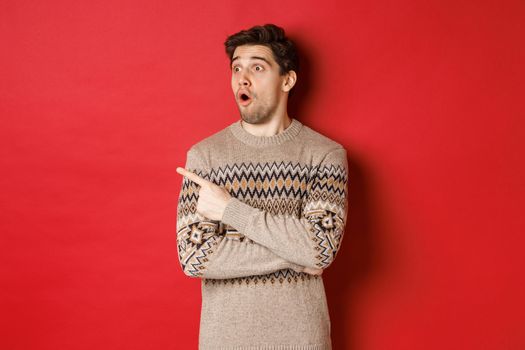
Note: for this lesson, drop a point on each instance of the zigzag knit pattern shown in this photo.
(283, 188)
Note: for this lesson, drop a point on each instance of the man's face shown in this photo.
(256, 83)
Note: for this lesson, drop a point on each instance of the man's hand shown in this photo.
(313, 271)
(213, 199)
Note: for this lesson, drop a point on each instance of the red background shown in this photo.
(100, 100)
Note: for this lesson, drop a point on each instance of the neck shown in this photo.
(273, 126)
(270, 128)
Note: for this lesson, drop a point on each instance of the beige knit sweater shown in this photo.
(289, 211)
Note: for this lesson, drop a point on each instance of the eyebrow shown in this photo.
(253, 58)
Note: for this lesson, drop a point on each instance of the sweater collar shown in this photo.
(262, 141)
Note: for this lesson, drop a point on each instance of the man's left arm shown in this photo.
(313, 239)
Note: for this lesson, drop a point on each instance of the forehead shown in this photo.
(252, 52)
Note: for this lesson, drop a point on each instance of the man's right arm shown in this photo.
(206, 249)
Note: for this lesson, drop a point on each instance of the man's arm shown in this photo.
(207, 248)
(313, 239)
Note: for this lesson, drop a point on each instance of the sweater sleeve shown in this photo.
(314, 238)
(211, 249)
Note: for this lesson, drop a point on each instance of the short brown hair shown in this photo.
(272, 36)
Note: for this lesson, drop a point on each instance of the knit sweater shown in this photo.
(288, 210)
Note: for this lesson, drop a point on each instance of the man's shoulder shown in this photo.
(212, 141)
(324, 150)
(319, 142)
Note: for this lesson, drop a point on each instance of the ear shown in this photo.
(289, 81)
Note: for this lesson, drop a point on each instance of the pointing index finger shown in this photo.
(192, 176)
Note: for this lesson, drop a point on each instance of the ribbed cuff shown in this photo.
(237, 214)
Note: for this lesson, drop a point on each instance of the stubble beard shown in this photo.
(260, 114)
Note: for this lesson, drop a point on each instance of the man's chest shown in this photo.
(278, 187)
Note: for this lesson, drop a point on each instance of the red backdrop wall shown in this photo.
(100, 100)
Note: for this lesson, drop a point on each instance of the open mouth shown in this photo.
(244, 99)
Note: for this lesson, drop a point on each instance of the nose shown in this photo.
(244, 80)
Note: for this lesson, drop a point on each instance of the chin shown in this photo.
(255, 120)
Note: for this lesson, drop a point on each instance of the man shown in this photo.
(262, 209)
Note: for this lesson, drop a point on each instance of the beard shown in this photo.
(257, 114)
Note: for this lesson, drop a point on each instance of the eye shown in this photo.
(235, 69)
(258, 68)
